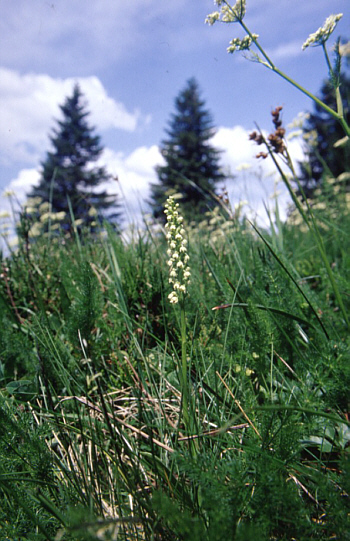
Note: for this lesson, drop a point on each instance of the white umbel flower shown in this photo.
(322, 34)
(228, 13)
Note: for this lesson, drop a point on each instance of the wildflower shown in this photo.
(343, 177)
(244, 44)
(44, 207)
(243, 166)
(322, 34)
(92, 211)
(33, 202)
(45, 217)
(311, 138)
(35, 230)
(59, 216)
(179, 272)
(295, 134)
(173, 298)
(13, 242)
(228, 13)
(8, 193)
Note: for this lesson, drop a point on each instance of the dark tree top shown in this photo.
(68, 172)
(191, 162)
(322, 156)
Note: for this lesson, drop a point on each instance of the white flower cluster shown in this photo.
(179, 271)
(229, 14)
(244, 44)
(322, 34)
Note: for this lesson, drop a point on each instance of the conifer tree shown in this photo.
(321, 133)
(68, 174)
(191, 162)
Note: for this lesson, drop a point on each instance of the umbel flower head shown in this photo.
(179, 271)
(322, 34)
(244, 44)
(228, 13)
(232, 14)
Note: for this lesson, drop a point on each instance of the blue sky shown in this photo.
(131, 60)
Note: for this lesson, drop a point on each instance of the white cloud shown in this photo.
(257, 183)
(11, 200)
(235, 144)
(144, 159)
(24, 182)
(286, 51)
(133, 173)
(106, 113)
(30, 105)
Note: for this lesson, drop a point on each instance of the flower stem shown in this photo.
(311, 224)
(183, 369)
(338, 115)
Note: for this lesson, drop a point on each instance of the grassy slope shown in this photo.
(90, 441)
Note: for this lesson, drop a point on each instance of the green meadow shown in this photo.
(186, 380)
(105, 433)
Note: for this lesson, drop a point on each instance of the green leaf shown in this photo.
(2, 373)
(24, 389)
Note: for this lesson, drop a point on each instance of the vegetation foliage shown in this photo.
(92, 372)
(70, 179)
(142, 399)
(192, 165)
(326, 149)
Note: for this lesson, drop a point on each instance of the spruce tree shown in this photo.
(191, 162)
(321, 133)
(68, 174)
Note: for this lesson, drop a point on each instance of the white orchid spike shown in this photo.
(179, 271)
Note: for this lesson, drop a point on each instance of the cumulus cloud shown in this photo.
(23, 183)
(11, 200)
(30, 105)
(286, 51)
(252, 180)
(131, 173)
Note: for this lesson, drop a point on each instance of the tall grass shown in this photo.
(125, 418)
(91, 427)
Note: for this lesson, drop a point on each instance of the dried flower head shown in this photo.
(275, 141)
(179, 271)
(322, 34)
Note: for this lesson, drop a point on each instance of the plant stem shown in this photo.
(311, 225)
(338, 115)
(184, 381)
